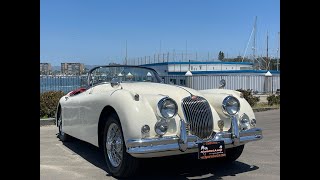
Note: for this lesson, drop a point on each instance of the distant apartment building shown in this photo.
(72, 68)
(45, 68)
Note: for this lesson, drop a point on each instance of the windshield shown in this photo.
(104, 74)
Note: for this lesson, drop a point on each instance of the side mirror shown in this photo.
(222, 84)
(115, 82)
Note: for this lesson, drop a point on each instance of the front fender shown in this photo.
(216, 97)
(134, 113)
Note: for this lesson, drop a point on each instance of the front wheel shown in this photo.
(119, 162)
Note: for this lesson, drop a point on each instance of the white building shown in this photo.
(180, 68)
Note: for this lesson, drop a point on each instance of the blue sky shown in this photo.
(95, 32)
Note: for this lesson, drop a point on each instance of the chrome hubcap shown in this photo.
(114, 145)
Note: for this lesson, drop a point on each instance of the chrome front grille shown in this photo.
(198, 115)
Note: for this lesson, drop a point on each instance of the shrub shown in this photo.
(247, 94)
(48, 103)
(273, 99)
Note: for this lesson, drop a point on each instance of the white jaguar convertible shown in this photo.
(130, 114)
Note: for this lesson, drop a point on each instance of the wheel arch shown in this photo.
(58, 111)
(106, 112)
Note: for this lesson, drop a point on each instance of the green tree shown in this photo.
(221, 55)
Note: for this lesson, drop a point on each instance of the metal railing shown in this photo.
(258, 83)
(62, 83)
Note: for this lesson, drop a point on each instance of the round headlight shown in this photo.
(244, 122)
(161, 127)
(168, 107)
(230, 105)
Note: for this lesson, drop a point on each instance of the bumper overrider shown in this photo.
(183, 143)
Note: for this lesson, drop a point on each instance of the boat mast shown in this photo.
(254, 32)
(254, 39)
(126, 61)
(278, 52)
(267, 65)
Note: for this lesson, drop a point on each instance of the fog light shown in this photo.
(244, 122)
(161, 127)
(253, 122)
(145, 129)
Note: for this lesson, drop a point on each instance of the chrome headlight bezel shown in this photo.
(162, 104)
(226, 105)
(244, 122)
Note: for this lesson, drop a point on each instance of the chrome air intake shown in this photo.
(198, 115)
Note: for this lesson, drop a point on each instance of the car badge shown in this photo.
(193, 97)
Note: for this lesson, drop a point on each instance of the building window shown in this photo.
(173, 81)
(182, 82)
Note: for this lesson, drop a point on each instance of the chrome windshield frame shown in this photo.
(157, 77)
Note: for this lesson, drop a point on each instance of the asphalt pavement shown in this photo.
(80, 160)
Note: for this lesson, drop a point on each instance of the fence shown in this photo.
(61, 83)
(258, 83)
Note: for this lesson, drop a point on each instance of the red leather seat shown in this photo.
(77, 91)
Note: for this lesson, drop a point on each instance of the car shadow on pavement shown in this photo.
(88, 152)
(174, 167)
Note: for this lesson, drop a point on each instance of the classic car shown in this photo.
(130, 114)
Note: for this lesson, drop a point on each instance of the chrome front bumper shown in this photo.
(183, 143)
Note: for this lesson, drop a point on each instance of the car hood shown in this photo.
(147, 88)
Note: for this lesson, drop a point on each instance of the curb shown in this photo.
(47, 122)
(263, 109)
